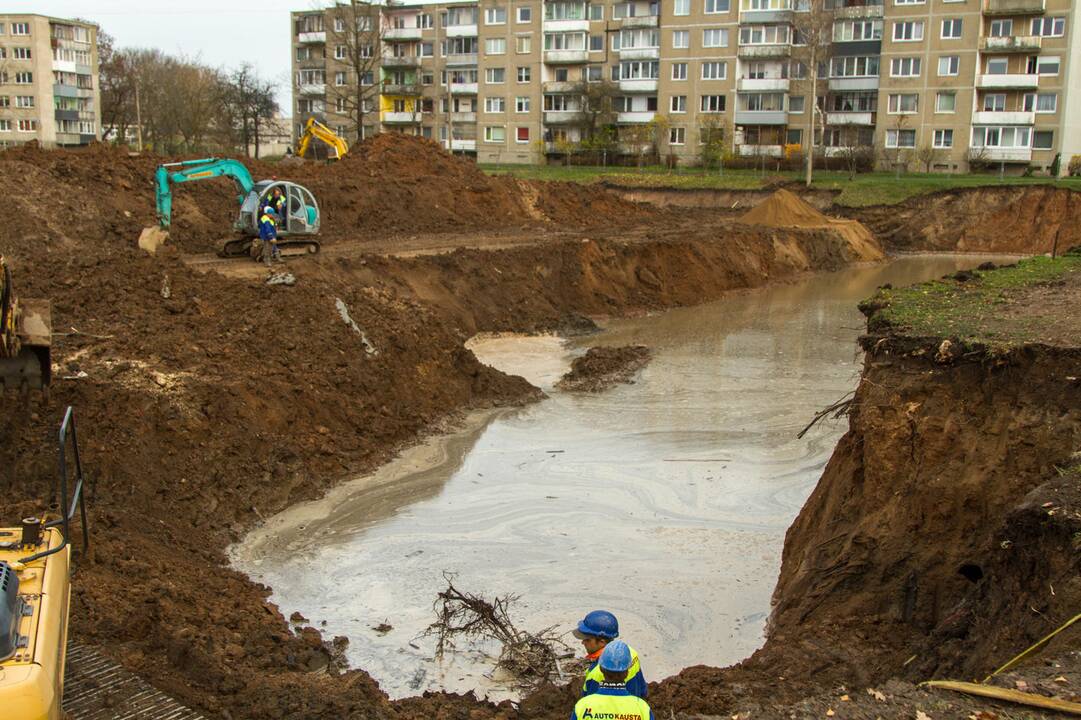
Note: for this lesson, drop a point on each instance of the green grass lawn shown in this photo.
(864, 189)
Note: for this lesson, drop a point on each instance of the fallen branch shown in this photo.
(1015, 696)
(839, 408)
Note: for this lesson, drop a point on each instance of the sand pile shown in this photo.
(788, 210)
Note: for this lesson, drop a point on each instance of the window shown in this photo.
(424, 21)
(367, 78)
(523, 74)
(908, 2)
(759, 102)
(495, 76)
(522, 136)
(24, 78)
(5, 126)
(495, 134)
(905, 67)
(427, 49)
(951, 29)
(28, 125)
(903, 103)
(1017, 137)
(594, 73)
(639, 70)
(713, 103)
(943, 139)
(1049, 26)
(901, 138)
(949, 65)
(341, 52)
(339, 25)
(521, 104)
(908, 31)
(946, 102)
(716, 6)
(679, 71)
(427, 78)
(995, 102)
(494, 104)
(1047, 66)
(523, 44)
(681, 38)
(20, 29)
(22, 53)
(24, 101)
(796, 104)
(495, 46)
(998, 66)
(339, 78)
(1047, 102)
(495, 16)
(682, 7)
(856, 30)
(525, 14)
(761, 35)
(1001, 28)
(339, 105)
(596, 12)
(596, 43)
(1043, 139)
(794, 137)
(679, 103)
(854, 66)
(716, 37)
(676, 136)
(714, 70)
(5, 101)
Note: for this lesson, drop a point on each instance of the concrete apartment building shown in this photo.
(953, 83)
(48, 81)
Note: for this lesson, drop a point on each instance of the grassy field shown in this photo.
(864, 189)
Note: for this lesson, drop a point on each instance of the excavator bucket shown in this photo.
(25, 339)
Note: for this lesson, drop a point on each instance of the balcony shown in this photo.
(985, 117)
(313, 89)
(463, 88)
(632, 118)
(638, 86)
(1013, 7)
(560, 87)
(1013, 44)
(467, 145)
(759, 150)
(855, 83)
(1004, 154)
(1017, 81)
(560, 26)
(68, 91)
(407, 61)
(64, 66)
(401, 89)
(563, 117)
(67, 115)
(312, 37)
(765, 16)
(762, 84)
(641, 21)
(761, 117)
(402, 34)
(461, 59)
(858, 12)
(565, 57)
(463, 117)
(639, 53)
(850, 118)
(461, 30)
(400, 118)
(765, 51)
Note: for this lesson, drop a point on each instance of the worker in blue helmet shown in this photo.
(612, 698)
(596, 630)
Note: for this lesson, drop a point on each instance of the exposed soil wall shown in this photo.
(716, 199)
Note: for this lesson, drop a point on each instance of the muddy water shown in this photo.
(665, 501)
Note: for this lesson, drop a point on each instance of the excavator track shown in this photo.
(242, 247)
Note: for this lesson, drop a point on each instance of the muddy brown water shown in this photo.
(665, 501)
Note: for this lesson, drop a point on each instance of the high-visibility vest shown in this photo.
(612, 702)
(594, 677)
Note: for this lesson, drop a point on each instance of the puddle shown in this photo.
(665, 501)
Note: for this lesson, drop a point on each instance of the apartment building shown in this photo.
(946, 84)
(48, 81)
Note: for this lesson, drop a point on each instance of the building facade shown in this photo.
(941, 85)
(48, 81)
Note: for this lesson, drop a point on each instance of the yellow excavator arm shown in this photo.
(315, 129)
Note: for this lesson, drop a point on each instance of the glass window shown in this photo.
(905, 67)
(994, 102)
(495, 46)
(796, 104)
(1049, 26)
(495, 76)
(1046, 102)
(525, 14)
(946, 102)
(901, 138)
(1047, 66)
(522, 136)
(596, 12)
(908, 31)
(1043, 139)
(679, 103)
(681, 38)
(676, 136)
(495, 134)
(717, 37)
(679, 71)
(682, 7)
(713, 103)
(596, 43)
(951, 29)
(949, 65)
(494, 104)
(714, 70)
(904, 103)
(495, 16)
(943, 138)
(521, 104)
(716, 6)
(523, 74)
(523, 44)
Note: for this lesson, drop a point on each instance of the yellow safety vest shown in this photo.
(612, 704)
(596, 675)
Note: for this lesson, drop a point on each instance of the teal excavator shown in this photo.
(301, 217)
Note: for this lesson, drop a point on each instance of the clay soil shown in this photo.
(603, 367)
(207, 400)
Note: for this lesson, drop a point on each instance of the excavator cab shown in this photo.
(301, 215)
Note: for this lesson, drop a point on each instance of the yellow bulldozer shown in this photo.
(25, 338)
(35, 593)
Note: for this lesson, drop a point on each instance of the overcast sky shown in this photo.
(222, 33)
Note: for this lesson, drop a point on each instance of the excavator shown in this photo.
(35, 595)
(25, 338)
(313, 129)
(301, 217)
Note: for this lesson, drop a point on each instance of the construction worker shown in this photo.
(596, 630)
(268, 233)
(277, 200)
(612, 699)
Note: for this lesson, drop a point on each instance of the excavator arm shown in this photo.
(190, 170)
(315, 129)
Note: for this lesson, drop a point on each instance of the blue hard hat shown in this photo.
(599, 623)
(616, 657)
(269, 210)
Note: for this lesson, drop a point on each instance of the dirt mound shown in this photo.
(602, 367)
(785, 209)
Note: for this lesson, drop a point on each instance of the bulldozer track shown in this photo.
(97, 688)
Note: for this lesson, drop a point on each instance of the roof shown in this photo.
(50, 18)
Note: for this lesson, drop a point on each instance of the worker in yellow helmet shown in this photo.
(611, 698)
(596, 630)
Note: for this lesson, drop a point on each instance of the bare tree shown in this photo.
(926, 155)
(713, 140)
(812, 24)
(356, 36)
(251, 104)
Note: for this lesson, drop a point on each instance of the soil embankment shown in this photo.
(730, 200)
(602, 367)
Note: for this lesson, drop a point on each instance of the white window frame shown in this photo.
(898, 66)
(953, 61)
(681, 67)
(896, 134)
(495, 46)
(792, 110)
(1049, 131)
(495, 105)
(681, 39)
(528, 134)
(677, 136)
(490, 133)
(491, 16)
(1057, 23)
(678, 104)
(716, 7)
(721, 34)
(938, 102)
(940, 139)
(890, 104)
(681, 8)
(524, 70)
(523, 44)
(1054, 103)
(955, 25)
(522, 104)
(20, 29)
(917, 30)
(707, 105)
(1058, 65)
(714, 65)
(491, 73)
